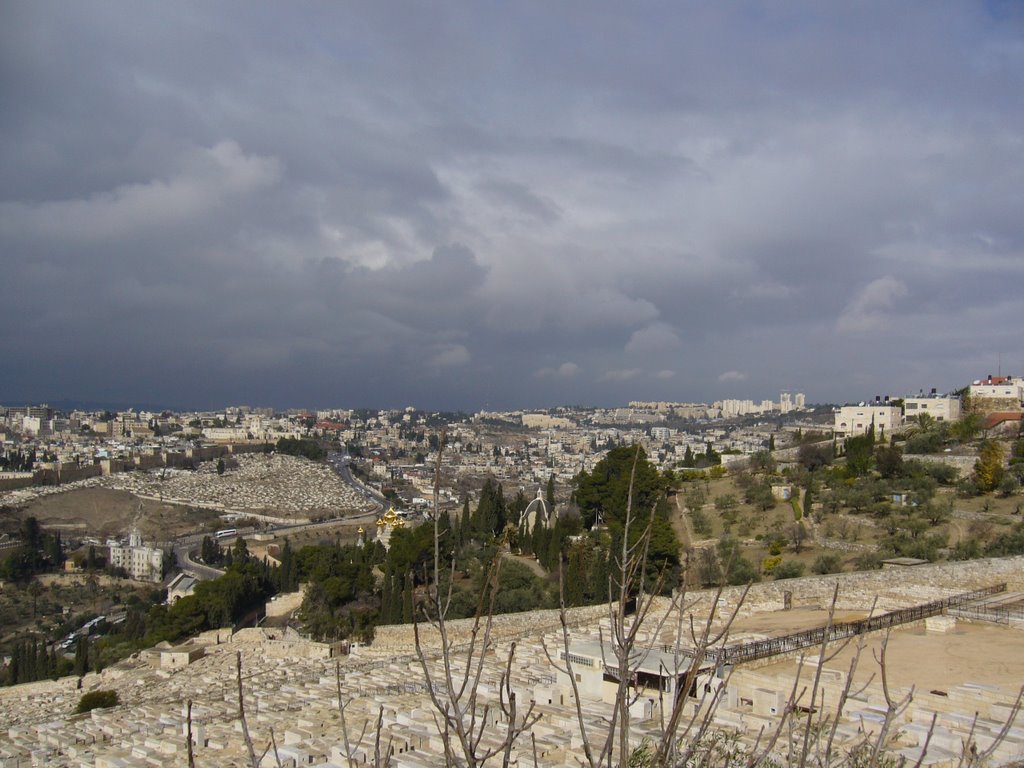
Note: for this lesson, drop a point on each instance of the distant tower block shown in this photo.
(535, 510)
(801, 400)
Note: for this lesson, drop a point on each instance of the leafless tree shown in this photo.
(461, 717)
(805, 734)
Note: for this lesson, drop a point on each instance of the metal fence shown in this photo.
(761, 649)
(998, 614)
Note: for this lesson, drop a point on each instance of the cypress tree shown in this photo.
(574, 578)
(385, 599)
(464, 524)
(554, 551)
(500, 511)
(599, 576)
(14, 671)
(40, 660)
(407, 586)
(538, 542)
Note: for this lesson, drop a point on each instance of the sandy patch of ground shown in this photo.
(102, 512)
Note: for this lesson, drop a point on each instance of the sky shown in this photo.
(490, 205)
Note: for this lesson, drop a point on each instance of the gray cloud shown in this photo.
(731, 376)
(475, 205)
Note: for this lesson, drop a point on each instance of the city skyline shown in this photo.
(501, 208)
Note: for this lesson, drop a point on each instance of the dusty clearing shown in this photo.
(102, 512)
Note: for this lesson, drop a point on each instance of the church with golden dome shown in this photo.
(386, 525)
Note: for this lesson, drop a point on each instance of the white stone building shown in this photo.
(998, 393)
(141, 562)
(938, 407)
(853, 420)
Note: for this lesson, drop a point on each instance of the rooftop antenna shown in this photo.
(1000, 368)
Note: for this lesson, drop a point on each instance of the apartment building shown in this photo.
(853, 420)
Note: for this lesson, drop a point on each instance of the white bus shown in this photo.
(226, 533)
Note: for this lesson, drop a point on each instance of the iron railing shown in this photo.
(774, 646)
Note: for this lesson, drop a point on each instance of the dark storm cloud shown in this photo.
(513, 205)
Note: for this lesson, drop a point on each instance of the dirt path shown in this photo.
(681, 523)
(529, 562)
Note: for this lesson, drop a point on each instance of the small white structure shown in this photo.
(167, 656)
(181, 586)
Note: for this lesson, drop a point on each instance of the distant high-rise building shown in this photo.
(801, 400)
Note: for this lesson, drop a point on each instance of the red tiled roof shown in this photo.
(999, 417)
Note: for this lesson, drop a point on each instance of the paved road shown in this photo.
(339, 462)
(191, 567)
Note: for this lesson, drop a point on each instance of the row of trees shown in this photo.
(345, 599)
(32, 661)
(39, 552)
(17, 461)
(303, 448)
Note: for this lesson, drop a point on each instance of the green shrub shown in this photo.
(827, 563)
(788, 569)
(97, 700)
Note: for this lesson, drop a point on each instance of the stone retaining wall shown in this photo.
(963, 463)
(400, 638)
(857, 591)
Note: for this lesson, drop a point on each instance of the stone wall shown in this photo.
(857, 591)
(67, 474)
(963, 463)
(23, 480)
(893, 588)
(400, 638)
(985, 405)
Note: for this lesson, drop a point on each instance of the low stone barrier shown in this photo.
(857, 591)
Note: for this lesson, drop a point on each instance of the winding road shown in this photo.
(339, 462)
